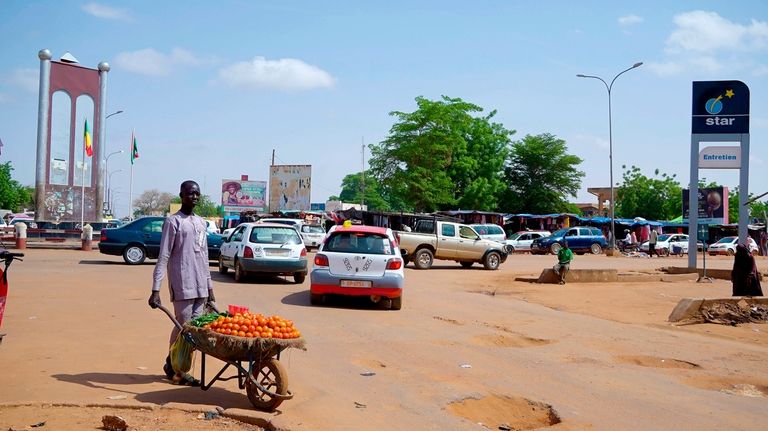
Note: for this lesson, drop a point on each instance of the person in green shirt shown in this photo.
(564, 258)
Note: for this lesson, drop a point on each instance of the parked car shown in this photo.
(435, 239)
(727, 246)
(266, 248)
(490, 231)
(140, 239)
(358, 261)
(581, 239)
(667, 243)
(313, 235)
(521, 241)
(211, 226)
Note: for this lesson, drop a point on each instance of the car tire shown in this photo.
(729, 252)
(664, 252)
(405, 262)
(316, 298)
(222, 269)
(423, 259)
(134, 255)
(299, 277)
(467, 264)
(555, 247)
(397, 303)
(596, 248)
(492, 261)
(510, 249)
(239, 272)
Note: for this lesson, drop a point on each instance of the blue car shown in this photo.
(140, 239)
(581, 239)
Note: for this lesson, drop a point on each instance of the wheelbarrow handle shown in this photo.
(171, 316)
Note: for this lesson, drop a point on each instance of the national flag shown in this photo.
(87, 140)
(134, 148)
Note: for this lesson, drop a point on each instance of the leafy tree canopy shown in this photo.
(657, 198)
(540, 175)
(441, 156)
(205, 206)
(13, 196)
(352, 190)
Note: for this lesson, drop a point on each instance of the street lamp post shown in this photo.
(610, 140)
(104, 144)
(109, 200)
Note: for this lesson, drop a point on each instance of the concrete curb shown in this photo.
(690, 308)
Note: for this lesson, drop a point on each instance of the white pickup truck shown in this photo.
(434, 239)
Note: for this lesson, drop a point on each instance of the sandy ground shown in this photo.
(470, 350)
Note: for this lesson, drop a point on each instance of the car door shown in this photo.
(448, 241)
(151, 234)
(230, 249)
(572, 236)
(470, 247)
(524, 242)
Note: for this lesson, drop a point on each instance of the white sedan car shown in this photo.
(727, 246)
(312, 235)
(358, 261)
(266, 248)
(667, 243)
(521, 241)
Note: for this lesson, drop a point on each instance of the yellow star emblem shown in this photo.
(729, 93)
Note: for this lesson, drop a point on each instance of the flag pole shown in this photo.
(130, 187)
(82, 194)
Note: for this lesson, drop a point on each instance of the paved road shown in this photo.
(602, 356)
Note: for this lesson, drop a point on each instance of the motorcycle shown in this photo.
(626, 247)
(7, 257)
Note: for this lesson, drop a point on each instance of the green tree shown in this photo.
(439, 156)
(540, 174)
(352, 190)
(656, 198)
(13, 196)
(757, 209)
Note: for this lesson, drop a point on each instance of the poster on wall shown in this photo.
(238, 195)
(713, 205)
(290, 187)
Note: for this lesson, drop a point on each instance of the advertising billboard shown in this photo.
(290, 187)
(713, 205)
(239, 195)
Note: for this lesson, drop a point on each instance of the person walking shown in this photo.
(564, 258)
(652, 238)
(764, 242)
(183, 257)
(745, 277)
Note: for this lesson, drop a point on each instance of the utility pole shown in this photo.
(273, 157)
(362, 176)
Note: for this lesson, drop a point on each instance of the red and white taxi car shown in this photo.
(358, 261)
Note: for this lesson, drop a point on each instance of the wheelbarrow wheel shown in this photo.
(272, 377)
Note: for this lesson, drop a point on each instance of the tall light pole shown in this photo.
(106, 166)
(104, 144)
(610, 140)
(109, 199)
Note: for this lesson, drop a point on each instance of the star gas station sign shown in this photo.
(720, 107)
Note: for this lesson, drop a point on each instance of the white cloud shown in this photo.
(107, 12)
(706, 64)
(26, 79)
(150, 62)
(702, 31)
(668, 68)
(630, 19)
(282, 74)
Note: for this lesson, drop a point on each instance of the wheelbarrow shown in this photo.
(256, 362)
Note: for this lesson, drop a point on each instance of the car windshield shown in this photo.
(358, 242)
(274, 235)
(664, 237)
(514, 236)
(312, 229)
(727, 240)
(560, 232)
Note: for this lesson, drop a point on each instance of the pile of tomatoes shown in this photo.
(254, 326)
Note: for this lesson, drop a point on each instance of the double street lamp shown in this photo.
(610, 140)
(104, 144)
(109, 197)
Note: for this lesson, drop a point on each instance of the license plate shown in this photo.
(278, 252)
(355, 283)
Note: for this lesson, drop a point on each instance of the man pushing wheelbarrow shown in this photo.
(183, 257)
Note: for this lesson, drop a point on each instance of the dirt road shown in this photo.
(468, 347)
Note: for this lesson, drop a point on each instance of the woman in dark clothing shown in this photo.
(745, 277)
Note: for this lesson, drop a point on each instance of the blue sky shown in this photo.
(211, 88)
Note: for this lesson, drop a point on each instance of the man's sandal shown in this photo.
(185, 380)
